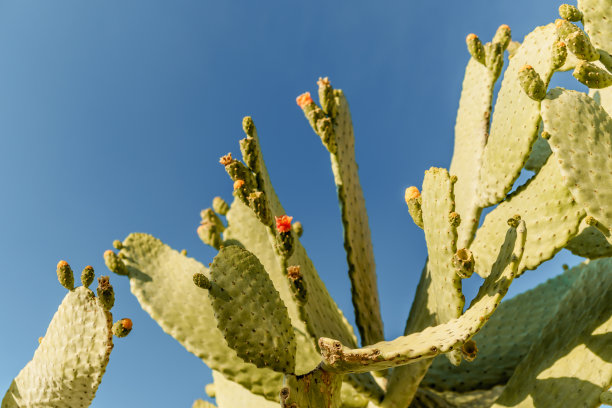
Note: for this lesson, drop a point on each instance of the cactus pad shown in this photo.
(249, 310)
(589, 243)
(69, 363)
(539, 153)
(229, 394)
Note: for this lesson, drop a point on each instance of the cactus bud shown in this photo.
(463, 261)
(117, 244)
(580, 45)
(297, 228)
(475, 48)
(201, 281)
(592, 76)
(225, 160)
(494, 58)
(454, 219)
(569, 13)
(514, 221)
(122, 327)
(594, 223)
(565, 267)
(106, 294)
(238, 171)
(413, 200)
(87, 276)
(326, 97)
(545, 135)
(258, 202)
(531, 83)
(503, 35)
(209, 216)
(210, 390)
(40, 339)
(559, 54)
(248, 126)
(220, 206)
(65, 275)
(114, 263)
(210, 234)
(469, 350)
(325, 130)
(184, 252)
(297, 284)
(250, 153)
(513, 48)
(238, 184)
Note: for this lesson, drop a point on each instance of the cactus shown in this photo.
(263, 321)
(68, 365)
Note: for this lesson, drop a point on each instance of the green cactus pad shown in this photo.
(589, 243)
(438, 339)
(441, 238)
(551, 214)
(249, 310)
(67, 367)
(162, 281)
(515, 119)
(357, 236)
(539, 153)
(596, 22)
(570, 364)
(505, 339)
(229, 394)
(581, 141)
(471, 131)
(318, 388)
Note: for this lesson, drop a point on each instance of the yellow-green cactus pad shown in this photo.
(69, 363)
(471, 131)
(539, 153)
(581, 141)
(570, 364)
(162, 281)
(505, 340)
(596, 18)
(469, 399)
(515, 120)
(551, 214)
(437, 339)
(589, 243)
(229, 394)
(249, 310)
(441, 237)
(318, 388)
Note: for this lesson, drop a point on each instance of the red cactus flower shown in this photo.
(283, 223)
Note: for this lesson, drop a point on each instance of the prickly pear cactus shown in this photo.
(261, 318)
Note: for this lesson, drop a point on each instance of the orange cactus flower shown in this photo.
(283, 223)
(238, 184)
(411, 194)
(304, 100)
(225, 160)
(62, 264)
(127, 323)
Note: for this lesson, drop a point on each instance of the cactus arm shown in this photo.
(438, 339)
(589, 243)
(551, 214)
(441, 237)
(319, 388)
(471, 131)
(505, 340)
(571, 362)
(68, 366)
(162, 281)
(250, 312)
(229, 394)
(581, 141)
(539, 153)
(515, 119)
(340, 142)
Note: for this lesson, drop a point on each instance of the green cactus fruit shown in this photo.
(114, 263)
(87, 276)
(566, 115)
(570, 363)
(297, 284)
(122, 327)
(106, 293)
(437, 339)
(249, 150)
(580, 45)
(414, 202)
(326, 98)
(220, 206)
(531, 83)
(494, 58)
(259, 204)
(201, 281)
(559, 54)
(250, 312)
(117, 244)
(502, 165)
(592, 76)
(68, 365)
(475, 48)
(297, 228)
(540, 201)
(65, 275)
(569, 12)
(503, 36)
(441, 238)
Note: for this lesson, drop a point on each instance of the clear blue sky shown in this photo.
(113, 115)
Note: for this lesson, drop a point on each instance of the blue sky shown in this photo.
(113, 116)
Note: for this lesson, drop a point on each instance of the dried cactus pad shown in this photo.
(581, 141)
(69, 363)
(250, 312)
